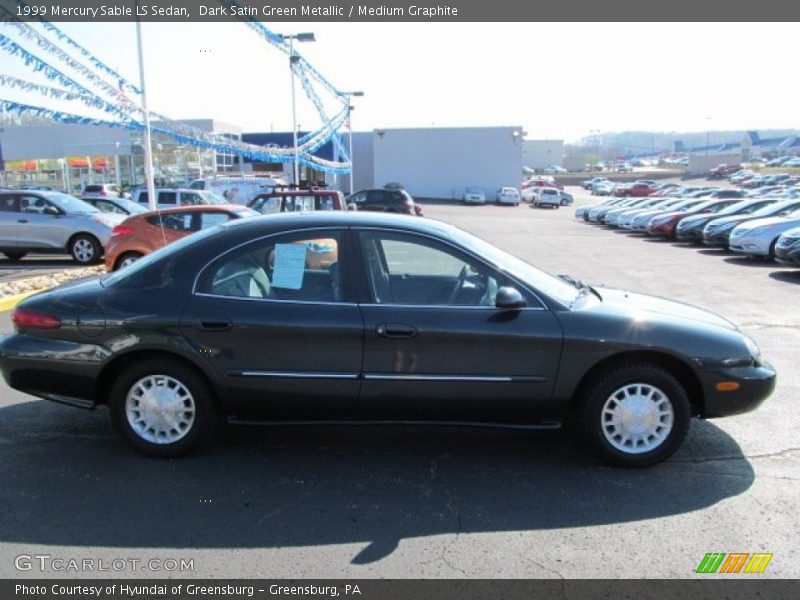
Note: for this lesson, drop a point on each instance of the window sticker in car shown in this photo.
(290, 265)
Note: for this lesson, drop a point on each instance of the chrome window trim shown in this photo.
(253, 241)
(455, 307)
(462, 250)
(275, 300)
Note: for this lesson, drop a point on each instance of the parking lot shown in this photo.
(421, 502)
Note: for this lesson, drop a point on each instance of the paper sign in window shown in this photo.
(290, 266)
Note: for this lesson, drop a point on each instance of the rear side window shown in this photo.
(9, 204)
(167, 197)
(198, 185)
(302, 266)
(175, 221)
(190, 199)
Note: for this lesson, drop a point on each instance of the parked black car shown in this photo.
(691, 229)
(393, 200)
(342, 316)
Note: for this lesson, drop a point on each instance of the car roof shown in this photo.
(297, 193)
(335, 218)
(195, 208)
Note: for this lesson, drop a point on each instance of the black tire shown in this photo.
(772, 249)
(203, 421)
(85, 249)
(126, 256)
(15, 255)
(597, 427)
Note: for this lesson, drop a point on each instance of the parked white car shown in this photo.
(508, 195)
(546, 196)
(237, 190)
(759, 237)
(174, 198)
(473, 195)
(552, 169)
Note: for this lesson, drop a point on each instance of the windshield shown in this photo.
(734, 208)
(539, 280)
(70, 204)
(132, 207)
(771, 209)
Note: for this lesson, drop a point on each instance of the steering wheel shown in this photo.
(462, 277)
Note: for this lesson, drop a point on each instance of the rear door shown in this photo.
(279, 323)
(9, 213)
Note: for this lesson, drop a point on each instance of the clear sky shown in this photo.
(556, 80)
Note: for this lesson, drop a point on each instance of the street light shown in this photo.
(350, 109)
(300, 37)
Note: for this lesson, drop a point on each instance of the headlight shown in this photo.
(655, 221)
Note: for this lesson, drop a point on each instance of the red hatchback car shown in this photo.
(664, 225)
(142, 234)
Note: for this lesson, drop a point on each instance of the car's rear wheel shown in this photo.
(635, 414)
(162, 407)
(85, 249)
(127, 259)
(15, 255)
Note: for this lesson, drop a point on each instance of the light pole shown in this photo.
(350, 109)
(708, 133)
(300, 37)
(148, 153)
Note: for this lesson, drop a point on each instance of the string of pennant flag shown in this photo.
(123, 113)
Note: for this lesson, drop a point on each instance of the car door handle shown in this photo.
(395, 330)
(22, 220)
(212, 324)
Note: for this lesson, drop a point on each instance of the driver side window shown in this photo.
(414, 270)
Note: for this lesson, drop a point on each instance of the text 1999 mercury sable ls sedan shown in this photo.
(407, 320)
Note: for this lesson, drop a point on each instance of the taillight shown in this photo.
(121, 230)
(28, 319)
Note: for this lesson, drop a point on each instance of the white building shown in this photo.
(441, 162)
(538, 154)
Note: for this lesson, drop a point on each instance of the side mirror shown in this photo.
(51, 210)
(509, 298)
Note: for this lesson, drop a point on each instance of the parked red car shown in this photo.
(664, 225)
(636, 189)
(724, 170)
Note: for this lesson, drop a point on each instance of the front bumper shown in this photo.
(756, 383)
(788, 254)
(690, 235)
(748, 246)
(716, 239)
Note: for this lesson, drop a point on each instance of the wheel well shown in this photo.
(109, 373)
(679, 369)
(74, 235)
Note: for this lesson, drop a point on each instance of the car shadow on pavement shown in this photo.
(788, 276)
(68, 480)
(746, 261)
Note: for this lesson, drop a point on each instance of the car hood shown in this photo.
(652, 307)
(767, 221)
(733, 219)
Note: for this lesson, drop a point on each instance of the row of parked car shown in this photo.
(766, 226)
(123, 230)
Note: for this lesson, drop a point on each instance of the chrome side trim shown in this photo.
(275, 300)
(543, 424)
(293, 374)
(451, 378)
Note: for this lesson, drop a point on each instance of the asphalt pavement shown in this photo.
(433, 502)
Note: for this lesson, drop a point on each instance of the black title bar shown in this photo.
(442, 11)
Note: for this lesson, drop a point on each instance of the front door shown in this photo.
(40, 224)
(278, 322)
(437, 348)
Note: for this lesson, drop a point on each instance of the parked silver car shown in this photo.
(52, 222)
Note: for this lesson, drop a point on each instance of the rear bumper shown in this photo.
(56, 370)
(755, 386)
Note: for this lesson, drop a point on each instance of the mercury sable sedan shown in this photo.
(415, 321)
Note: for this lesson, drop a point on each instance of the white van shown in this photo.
(237, 190)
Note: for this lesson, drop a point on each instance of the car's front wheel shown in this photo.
(635, 414)
(162, 407)
(85, 249)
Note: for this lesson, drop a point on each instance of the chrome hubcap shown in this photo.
(160, 409)
(84, 250)
(129, 260)
(637, 418)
